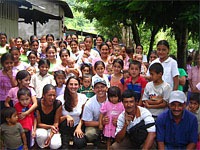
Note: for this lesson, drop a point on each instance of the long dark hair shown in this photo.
(67, 96)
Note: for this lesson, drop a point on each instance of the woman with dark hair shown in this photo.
(48, 115)
(71, 124)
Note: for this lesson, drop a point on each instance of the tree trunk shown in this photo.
(181, 37)
(153, 34)
(135, 32)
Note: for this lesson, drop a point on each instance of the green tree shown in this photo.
(181, 16)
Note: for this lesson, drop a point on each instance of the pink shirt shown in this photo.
(5, 85)
(194, 76)
(112, 111)
(13, 94)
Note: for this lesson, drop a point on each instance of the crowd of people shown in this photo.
(54, 92)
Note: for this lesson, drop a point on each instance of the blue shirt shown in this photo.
(176, 136)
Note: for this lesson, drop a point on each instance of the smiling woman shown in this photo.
(48, 114)
(71, 124)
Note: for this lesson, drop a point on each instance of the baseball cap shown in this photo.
(98, 80)
(177, 96)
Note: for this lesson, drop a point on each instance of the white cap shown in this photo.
(177, 96)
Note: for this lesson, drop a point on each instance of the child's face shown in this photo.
(13, 119)
(35, 46)
(74, 46)
(123, 52)
(60, 80)
(43, 69)
(126, 76)
(100, 70)
(25, 82)
(114, 99)
(116, 51)
(25, 100)
(162, 51)
(88, 43)
(139, 58)
(152, 57)
(51, 54)
(82, 46)
(155, 77)
(31, 70)
(71, 64)
(139, 50)
(109, 70)
(8, 64)
(134, 70)
(86, 70)
(19, 43)
(193, 105)
(62, 45)
(32, 58)
(87, 82)
(117, 68)
(64, 56)
(50, 40)
(16, 55)
(25, 46)
(104, 51)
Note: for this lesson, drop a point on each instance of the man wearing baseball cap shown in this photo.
(177, 128)
(91, 111)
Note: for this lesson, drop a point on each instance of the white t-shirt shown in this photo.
(91, 110)
(163, 90)
(75, 114)
(145, 115)
(170, 70)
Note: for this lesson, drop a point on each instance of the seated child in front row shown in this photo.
(13, 134)
(111, 109)
(157, 92)
(86, 87)
(29, 122)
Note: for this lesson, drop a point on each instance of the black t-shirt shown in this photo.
(48, 118)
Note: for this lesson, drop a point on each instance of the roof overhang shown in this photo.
(34, 15)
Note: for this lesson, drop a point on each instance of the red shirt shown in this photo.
(140, 83)
(27, 122)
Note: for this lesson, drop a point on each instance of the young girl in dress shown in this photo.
(112, 109)
(60, 77)
(117, 79)
(23, 79)
(7, 77)
(28, 123)
(99, 68)
(12, 131)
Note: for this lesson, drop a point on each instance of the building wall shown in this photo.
(53, 26)
(9, 19)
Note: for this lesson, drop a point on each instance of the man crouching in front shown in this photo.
(134, 117)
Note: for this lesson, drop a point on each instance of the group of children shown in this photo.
(21, 84)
